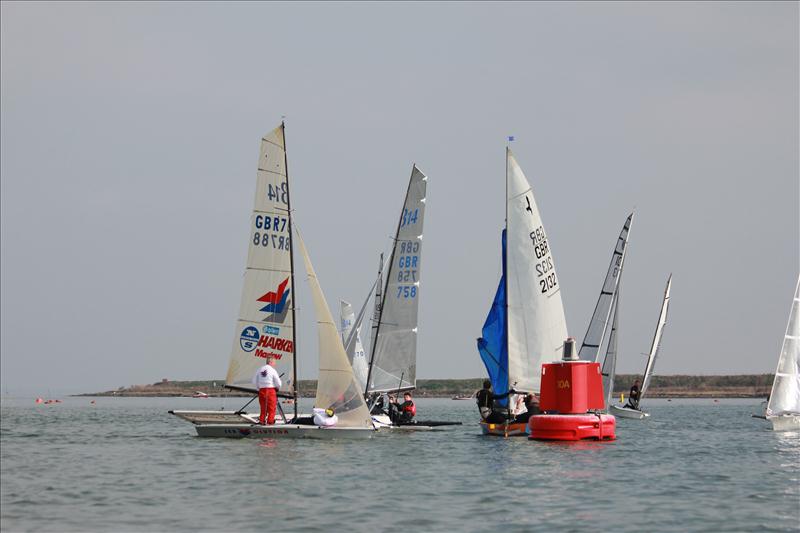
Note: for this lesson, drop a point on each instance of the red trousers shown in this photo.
(268, 400)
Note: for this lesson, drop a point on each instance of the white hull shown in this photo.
(219, 417)
(785, 422)
(287, 431)
(627, 412)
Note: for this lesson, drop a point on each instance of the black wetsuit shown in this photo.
(401, 413)
(486, 399)
(532, 409)
(633, 398)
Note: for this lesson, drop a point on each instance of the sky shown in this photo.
(129, 137)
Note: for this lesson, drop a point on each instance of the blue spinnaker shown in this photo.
(493, 345)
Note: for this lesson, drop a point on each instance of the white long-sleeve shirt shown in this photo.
(267, 377)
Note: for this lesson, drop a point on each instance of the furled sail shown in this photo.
(337, 387)
(609, 369)
(656, 345)
(536, 324)
(355, 352)
(265, 329)
(393, 362)
(785, 395)
(590, 348)
(493, 345)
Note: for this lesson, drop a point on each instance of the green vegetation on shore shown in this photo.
(678, 386)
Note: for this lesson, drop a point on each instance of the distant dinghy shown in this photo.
(627, 411)
(783, 407)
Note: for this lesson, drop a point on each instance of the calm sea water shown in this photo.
(124, 464)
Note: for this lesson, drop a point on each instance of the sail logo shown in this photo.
(249, 338)
(271, 330)
(276, 302)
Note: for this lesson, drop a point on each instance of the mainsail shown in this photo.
(355, 351)
(656, 345)
(535, 315)
(609, 369)
(265, 328)
(393, 361)
(493, 345)
(337, 388)
(590, 348)
(785, 395)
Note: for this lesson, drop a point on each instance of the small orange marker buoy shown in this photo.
(39, 400)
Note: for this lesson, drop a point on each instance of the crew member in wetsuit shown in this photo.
(633, 396)
(532, 406)
(377, 407)
(485, 398)
(402, 413)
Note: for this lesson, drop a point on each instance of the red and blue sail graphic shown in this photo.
(276, 301)
(493, 345)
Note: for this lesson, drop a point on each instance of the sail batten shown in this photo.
(393, 361)
(265, 325)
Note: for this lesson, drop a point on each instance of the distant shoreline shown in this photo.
(677, 386)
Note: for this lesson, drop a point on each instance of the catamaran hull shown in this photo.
(517, 429)
(785, 422)
(285, 431)
(627, 412)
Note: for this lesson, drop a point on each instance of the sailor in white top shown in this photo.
(267, 380)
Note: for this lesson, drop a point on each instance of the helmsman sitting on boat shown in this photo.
(633, 396)
(531, 408)
(402, 413)
(485, 398)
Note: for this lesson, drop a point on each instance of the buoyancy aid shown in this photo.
(409, 407)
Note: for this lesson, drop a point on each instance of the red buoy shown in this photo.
(570, 389)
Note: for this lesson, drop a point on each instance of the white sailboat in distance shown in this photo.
(783, 407)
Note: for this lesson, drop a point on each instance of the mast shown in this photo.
(503, 243)
(291, 267)
(385, 290)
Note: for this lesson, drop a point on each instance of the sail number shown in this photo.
(544, 263)
(407, 264)
(266, 237)
(407, 291)
(409, 217)
(278, 194)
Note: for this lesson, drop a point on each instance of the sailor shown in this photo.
(531, 406)
(402, 413)
(325, 417)
(267, 381)
(633, 396)
(377, 407)
(486, 398)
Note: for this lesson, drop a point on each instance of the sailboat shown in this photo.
(266, 326)
(607, 304)
(783, 407)
(630, 412)
(393, 345)
(525, 325)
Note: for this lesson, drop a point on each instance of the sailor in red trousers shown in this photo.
(267, 380)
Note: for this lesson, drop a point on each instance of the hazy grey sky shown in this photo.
(130, 137)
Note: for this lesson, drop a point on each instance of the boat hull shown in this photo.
(219, 417)
(515, 429)
(785, 422)
(285, 431)
(627, 412)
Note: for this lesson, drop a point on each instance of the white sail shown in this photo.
(355, 352)
(536, 324)
(265, 329)
(590, 348)
(656, 345)
(393, 364)
(785, 395)
(609, 370)
(337, 388)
